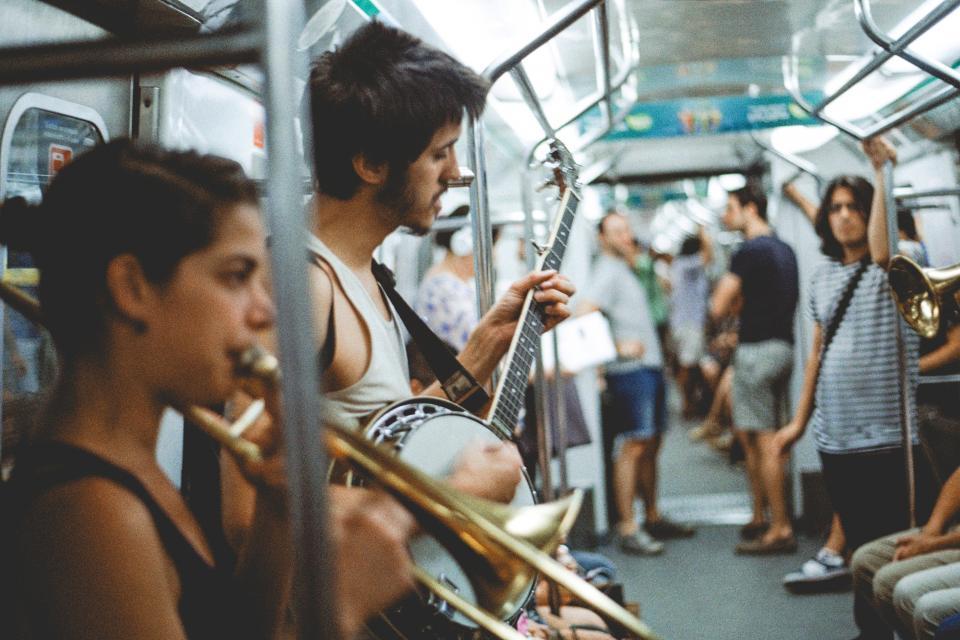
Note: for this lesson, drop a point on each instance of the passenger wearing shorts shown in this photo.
(635, 384)
(763, 274)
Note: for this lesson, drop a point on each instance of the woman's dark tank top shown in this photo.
(210, 605)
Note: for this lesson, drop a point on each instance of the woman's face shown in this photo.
(847, 221)
(215, 307)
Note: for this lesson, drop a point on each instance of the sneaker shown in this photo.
(664, 529)
(639, 544)
(824, 569)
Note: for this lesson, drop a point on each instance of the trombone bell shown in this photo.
(920, 293)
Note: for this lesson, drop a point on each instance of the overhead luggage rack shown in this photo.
(268, 28)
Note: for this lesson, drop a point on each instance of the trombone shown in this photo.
(921, 293)
(504, 547)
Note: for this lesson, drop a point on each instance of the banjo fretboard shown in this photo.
(508, 399)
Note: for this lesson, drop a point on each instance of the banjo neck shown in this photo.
(509, 397)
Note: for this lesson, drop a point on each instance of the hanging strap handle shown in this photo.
(458, 383)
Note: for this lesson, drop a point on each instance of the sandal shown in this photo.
(762, 547)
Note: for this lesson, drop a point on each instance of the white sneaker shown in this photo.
(825, 566)
(640, 543)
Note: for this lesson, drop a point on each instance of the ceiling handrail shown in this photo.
(479, 197)
(889, 50)
(899, 47)
(928, 193)
(805, 166)
(114, 56)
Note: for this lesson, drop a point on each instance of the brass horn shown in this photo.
(501, 547)
(920, 293)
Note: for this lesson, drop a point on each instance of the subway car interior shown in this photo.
(751, 395)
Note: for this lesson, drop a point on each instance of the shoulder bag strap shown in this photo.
(843, 303)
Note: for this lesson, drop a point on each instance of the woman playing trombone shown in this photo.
(152, 287)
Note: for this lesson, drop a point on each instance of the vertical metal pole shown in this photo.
(602, 29)
(306, 466)
(480, 218)
(544, 434)
(906, 416)
(558, 418)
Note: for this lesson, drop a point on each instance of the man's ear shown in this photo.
(130, 291)
(370, 172)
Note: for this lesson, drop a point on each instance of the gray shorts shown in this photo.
(761, 380)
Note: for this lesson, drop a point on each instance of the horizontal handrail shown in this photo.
(115, 56)
(563, 19)
(930, 193)
(803, 165)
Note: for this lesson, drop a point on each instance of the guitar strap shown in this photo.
(458, 383)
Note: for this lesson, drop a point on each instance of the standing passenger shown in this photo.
(763, 273)
(636, 383)
(850, 388)
(688, 314)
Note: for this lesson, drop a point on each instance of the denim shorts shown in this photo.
(640, 404)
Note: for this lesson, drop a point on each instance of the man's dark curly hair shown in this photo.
(383, 94)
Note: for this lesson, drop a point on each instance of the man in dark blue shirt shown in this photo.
(763, 282)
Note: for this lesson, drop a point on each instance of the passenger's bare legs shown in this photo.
(625, 478)
(713, 424)
(771, 474)
(837, 539)
(646, 486)
(751, 459)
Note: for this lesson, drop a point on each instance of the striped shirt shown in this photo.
(858, 399)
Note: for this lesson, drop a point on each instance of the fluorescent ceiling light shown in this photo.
(800, 138)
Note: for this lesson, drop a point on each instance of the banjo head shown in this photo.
(430, 434)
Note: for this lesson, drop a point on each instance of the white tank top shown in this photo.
(387, 378)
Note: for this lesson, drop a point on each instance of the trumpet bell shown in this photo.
(920, 293)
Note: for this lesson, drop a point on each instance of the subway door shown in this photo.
(205, 112)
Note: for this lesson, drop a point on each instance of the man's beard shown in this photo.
(399, 202)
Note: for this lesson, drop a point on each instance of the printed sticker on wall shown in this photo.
(59, 157)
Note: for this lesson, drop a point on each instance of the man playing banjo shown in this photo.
(386, 111)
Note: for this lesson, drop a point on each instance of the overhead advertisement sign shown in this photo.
(710, 116)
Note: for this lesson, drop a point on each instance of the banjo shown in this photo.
(429, 433)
